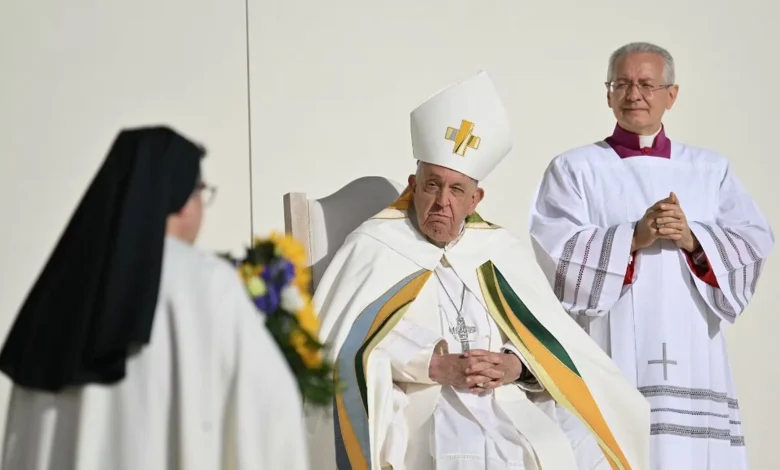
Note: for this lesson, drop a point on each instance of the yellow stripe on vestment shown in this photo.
(566, 387)
(348, 435)
(405, 296)
(371, 326)
(404, 200)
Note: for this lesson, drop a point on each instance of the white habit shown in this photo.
(664, 327)
(415, 424)
(210, 391)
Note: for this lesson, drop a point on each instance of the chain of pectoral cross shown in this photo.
(460, 330)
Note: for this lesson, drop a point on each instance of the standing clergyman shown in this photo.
(651, 245)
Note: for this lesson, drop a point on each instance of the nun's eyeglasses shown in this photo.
(207, 192)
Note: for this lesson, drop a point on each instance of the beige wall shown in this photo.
(332, 85)
(72, 74)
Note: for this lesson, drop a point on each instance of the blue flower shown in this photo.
(269, 303)
(276, 275)
(281, 272)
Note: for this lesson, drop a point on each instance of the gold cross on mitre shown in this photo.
(463, 137)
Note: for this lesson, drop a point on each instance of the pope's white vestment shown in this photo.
(389, 296)
(664, 327)
(210, 391)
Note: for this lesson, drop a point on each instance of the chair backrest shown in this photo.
(321, 225)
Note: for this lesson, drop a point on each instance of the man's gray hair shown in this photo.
(641, 47)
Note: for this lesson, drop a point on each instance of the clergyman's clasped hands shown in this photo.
(664, 220)
(477, 370)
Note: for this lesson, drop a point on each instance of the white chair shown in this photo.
(321, 225)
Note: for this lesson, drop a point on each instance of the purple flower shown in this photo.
(279, 273)
(269, 303)
(276, 276)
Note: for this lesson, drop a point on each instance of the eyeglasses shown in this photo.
(208, 192)
(624, 88)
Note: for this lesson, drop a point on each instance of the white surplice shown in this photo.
(665, 330)
(210, 391)
(416, 424)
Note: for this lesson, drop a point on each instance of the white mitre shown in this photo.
(463, 127)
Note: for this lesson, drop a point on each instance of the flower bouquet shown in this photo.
(277, 279)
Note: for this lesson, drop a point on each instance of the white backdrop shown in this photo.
(72, 74)
(332, 84)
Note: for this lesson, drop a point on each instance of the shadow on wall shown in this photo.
(336, 216)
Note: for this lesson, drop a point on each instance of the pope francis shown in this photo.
(452, 352)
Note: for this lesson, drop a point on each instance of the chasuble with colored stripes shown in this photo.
(376, 277)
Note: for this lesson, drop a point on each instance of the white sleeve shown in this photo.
(410, 348)
(737, 244)
(265, 421)
(585, 264)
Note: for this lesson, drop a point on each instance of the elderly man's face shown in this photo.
(640, 98)
(443, 198)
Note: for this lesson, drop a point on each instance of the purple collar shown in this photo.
(626, 144)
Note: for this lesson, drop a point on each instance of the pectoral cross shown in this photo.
(462, 137)
(462, 331)
(664, 361)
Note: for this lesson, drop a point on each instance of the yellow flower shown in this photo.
(302, 279)
(256, 287)
(310, 324)
(311, 358)
(245, 271)
(308, 320)
(292, 250)
(248, 271)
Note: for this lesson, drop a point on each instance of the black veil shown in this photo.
(94, 302)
